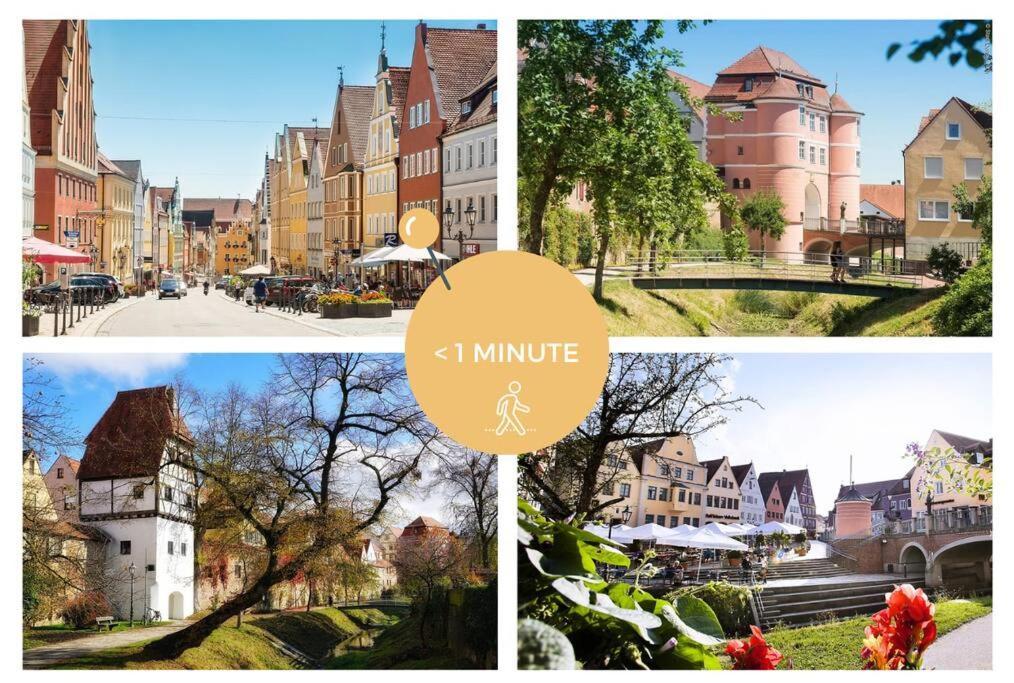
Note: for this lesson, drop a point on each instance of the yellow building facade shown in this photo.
(232, 249)
(967, 461)
(280, 222)
(116, 202)
(380, 176)
(953, 147)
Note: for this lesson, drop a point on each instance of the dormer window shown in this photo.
(748, 85)
(466, 108)
(493, 96)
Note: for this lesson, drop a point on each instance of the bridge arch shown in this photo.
(965, 562)
(914, 558)
(818, 250)
(962, 541)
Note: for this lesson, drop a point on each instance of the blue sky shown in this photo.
(816, 409)
(258, 74)
(893, 94)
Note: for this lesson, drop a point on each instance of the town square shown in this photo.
(679, 527)
(132, 202)
(250, 512)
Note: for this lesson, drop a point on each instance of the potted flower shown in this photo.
(374, 305)
(337, 305)
(735, 558)
(30, 319)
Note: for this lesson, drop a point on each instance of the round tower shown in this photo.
(844, 163)
(853, 514)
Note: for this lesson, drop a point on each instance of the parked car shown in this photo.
(276, 286)
(183, 287)
(106, 287)
(119, 291)
(221, 283)
(43, 294)
(169, 288)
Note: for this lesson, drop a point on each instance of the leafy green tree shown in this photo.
(960, 39)
(945, 263)
(763, 212)
(980, 208)
(735, 244)
(576, 81)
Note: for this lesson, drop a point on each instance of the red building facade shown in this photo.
(446, 65)
(59, 82)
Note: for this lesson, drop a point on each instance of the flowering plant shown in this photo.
(954, 472)
(337, 298)
(899, 634)
(374, 298)
(753, 655)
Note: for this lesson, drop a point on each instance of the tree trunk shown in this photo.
(536, 234)
(640, 253)
(600, 263)
(422, 618)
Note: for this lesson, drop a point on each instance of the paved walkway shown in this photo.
(967, 647)
(48, 655)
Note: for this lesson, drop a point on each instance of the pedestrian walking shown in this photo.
(838, 264)
(260, 293)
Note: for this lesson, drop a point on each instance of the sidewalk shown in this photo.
(88, 325)
(47, 655)
(967, 647)
(343, 327)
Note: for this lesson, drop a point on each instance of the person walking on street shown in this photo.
(260, 293)
(838, 264)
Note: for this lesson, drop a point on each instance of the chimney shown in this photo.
(481, 27)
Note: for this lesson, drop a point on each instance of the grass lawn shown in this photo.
(398, 647)
(61, 633)
(315, 633)
(633, 312)
(836, 645)
(371, 617)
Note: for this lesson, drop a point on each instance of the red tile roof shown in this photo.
(888, 198)
(356, 102)
(399, 87)
(224, 208)
(696, 89)
(483, 111)
(764, 60)
(130, 438)
(424, 521)
(461, 59)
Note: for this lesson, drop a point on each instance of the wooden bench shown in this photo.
(104, 621)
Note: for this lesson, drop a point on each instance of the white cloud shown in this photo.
(130, 367)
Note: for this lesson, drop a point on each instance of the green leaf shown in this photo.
(560, 564)
(892, 48)
(686, 655)
(696, 624)
(605, 555)
(579, 594)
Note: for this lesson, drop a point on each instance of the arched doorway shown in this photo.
(811, 208)
(818, 251)
(176, 605)
(913, 560)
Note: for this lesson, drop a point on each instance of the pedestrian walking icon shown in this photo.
(507, 409)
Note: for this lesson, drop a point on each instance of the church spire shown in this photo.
(382, 58)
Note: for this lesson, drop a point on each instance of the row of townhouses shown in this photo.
(663, 482)
(768, 124)
(121, 521)
(420, 136)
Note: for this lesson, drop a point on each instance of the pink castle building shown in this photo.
(794, 137)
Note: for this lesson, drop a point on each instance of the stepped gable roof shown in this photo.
(712, 466)
(224, 207)
(130, 438)
(888, 198)
(740, 472)
(398, 75)
(767, 481)
(460, 59)
(44, 49)
(696, 89)
(484, 111)
(130, 167)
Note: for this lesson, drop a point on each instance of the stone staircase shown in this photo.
(807, 591)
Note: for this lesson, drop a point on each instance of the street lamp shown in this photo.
(460, 236)
(625, 515)
(131, 569)
(336, 245)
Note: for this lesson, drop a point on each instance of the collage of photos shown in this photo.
(207, 488)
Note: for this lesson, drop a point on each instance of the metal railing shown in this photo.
(943, 521)
(877, 227)
(62, 309)
(771, 265)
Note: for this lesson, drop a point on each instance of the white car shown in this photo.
(183, 288)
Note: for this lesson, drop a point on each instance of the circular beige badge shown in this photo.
(512, 357)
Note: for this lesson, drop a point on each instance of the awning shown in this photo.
(256, 270)
(47, 252)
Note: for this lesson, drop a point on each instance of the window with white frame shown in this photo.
(411, 117)
(933, 167)
(802, 151)
(492, 142)
(802, 115)
(813, 154)
(434, 165)
(953, 130)
(482, 152)
(426, 111)
(934, 209)
(813, 121)
(973, 168)
(823, 124)
(823, 156)
(447, 159)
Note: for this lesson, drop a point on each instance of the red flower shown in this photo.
(898, 636)
(754, 655)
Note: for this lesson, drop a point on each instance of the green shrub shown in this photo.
(753, 301)
(735, 244)
(730, 603)
(792, 304)
(966, 310)
(945, 263)
(704, 239)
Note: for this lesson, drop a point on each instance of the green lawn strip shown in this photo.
(398, 647)
(370, 617)
(62, 633)
(226, 648)
(314, 633)
(909, 316)
(836, 645)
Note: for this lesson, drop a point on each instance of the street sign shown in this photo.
(471, 249)
(72, 234)
(390, 239)
(41, 226)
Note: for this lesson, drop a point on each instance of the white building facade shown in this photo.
(751, 504)
(27, 167)
(793, 510)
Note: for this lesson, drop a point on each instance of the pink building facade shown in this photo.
(787, 134)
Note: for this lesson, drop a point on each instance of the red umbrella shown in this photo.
(47, 252)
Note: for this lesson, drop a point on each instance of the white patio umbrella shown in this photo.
(647, 532)
(373, 258)
(603, 531)
(258, 269)
(726, 529)
(403, 252)
(705, 539)
(775, 527)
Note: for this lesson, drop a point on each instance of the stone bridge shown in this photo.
(954, 549)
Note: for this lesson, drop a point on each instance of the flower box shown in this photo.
(382, 309)
(29, 325)
(338, 310)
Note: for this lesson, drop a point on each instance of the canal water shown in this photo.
(361, 641)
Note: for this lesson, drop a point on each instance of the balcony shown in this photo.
(941, 522)
(871, 227)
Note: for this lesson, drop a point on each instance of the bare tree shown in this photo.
(309, 463)
(44, 424)
(468, 479)
(646, 396)
(425, 562)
